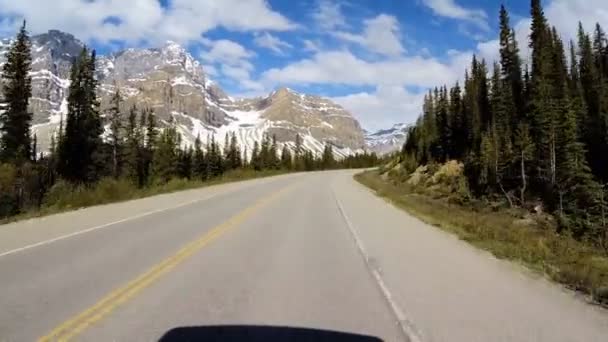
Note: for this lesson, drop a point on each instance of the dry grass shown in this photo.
(64, 197)
(504, 233)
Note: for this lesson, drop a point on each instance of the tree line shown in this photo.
(118, 143)
(530, 133)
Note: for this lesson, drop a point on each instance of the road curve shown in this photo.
(297, 257)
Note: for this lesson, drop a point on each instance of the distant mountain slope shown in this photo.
(172, 83)
(387, 140)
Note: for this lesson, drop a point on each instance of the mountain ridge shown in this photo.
(170, 81)
(387, 140)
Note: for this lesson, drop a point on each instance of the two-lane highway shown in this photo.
(312, 250)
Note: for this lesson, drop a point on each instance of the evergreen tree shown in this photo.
(226, 149)
(114, 116)
(184, 166)
(500, 129)
(80, 145)
(274, 161)
(256, 158)
(151, 130)
(245, 160)
(34, 148)
(15, 121)
(528, 135)
(299, 153)
(524, 149)
(511, 69)
(233, 157)
(443, 126)
(327, 159)
(215, 160)
(576, 188)
(165, 155)
(265, 158)
(538, 33)
(286, 159)
(199, 167)
(428, 131)
(134, 149)
(458, 121)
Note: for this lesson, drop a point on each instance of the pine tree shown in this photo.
(93, 127)
(166, 154)
(185, 160)
(256, 160)
(327, 159)
(274, 161)
(114, 116)
(576, 188)
(538, 33)
(286, 159)
(15, 121)
(524, 149)
(199, 161)
(245, 159)
(233, 157)
(265, 159)
(80, 146)
(457, 123)
(151, 130)
(526, 134)
(500, 130)
(511, 69)
(215, 160)
(133, 149)
(443, 126)
(299, 152)
(226, 149)
(428, 131)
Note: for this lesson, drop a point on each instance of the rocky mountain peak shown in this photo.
(170, 81)
(387, 140)
(60, 44)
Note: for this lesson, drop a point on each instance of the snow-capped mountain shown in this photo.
(387, 140)
(171, 82)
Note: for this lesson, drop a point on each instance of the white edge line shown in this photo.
(105, 225)
(406, 326)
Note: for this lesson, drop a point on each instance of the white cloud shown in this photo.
(233, 61)
(566, 14)
(235, 72)
(450, 9)
(380, 35)
(272, 43)
(210, 70)
(342, 67)
(390, 102)
(228, 52)
(384, 107)
(182, 21)
(328, 15)
(312, 45)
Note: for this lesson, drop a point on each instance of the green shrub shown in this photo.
(59, 195)
(8, 200)
(64, 195)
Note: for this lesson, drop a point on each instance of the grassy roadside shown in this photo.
(540, 248)
(64, 197)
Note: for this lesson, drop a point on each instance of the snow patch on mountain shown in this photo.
(170, 81)
(387, 140)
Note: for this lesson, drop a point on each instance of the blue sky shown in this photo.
(375, 57)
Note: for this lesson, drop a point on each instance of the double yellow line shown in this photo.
(74, 326)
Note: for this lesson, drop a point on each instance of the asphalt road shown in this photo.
(301, 257)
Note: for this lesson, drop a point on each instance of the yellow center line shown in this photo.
(75, 325)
